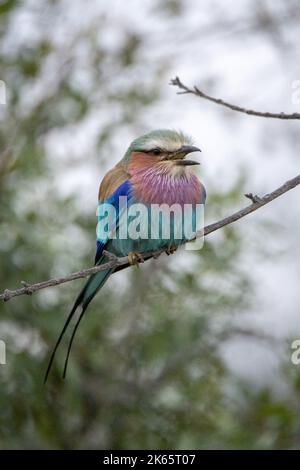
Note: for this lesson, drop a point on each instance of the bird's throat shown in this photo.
(155, 182)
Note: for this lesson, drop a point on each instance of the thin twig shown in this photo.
(195, 91)
(114, 262)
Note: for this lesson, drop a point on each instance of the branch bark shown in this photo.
(114, 262)
(195, 91)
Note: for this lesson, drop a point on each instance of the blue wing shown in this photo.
(123, 190)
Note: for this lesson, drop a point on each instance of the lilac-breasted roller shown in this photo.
(153, 172)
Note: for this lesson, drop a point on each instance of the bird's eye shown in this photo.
(156, 151)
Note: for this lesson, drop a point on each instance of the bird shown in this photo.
(153, 172)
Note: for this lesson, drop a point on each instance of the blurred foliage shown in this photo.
(146, 370)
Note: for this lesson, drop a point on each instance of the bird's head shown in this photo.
(164, 147)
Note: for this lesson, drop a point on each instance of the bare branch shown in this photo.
(115, 262)
(195, 91)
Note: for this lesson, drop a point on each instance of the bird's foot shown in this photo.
(135, 258)
(171, 250)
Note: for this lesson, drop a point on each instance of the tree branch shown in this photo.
(114, 261)
(195, 91)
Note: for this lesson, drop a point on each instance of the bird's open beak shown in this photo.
(182, 152)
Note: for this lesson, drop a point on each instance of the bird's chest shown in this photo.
(167, 207)
(162, 212)
(152, 188)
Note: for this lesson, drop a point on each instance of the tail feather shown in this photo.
(84, 307)
(93, 285)
(71, 340)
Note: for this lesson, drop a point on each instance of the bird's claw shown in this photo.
(171, 250)
(135, 258)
